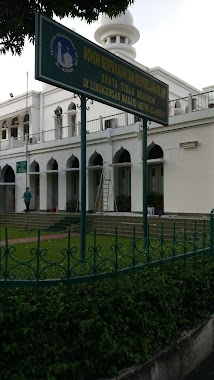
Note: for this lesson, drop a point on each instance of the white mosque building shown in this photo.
(45, 134)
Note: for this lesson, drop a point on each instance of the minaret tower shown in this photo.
(118, 34)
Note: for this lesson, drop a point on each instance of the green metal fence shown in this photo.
(39, 270)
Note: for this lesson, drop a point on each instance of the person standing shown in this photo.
(27, 197)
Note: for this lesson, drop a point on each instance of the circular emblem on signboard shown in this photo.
(64, 51)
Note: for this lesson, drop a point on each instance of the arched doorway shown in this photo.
(7, 189)
(95, 167)
(155, 177)
(34, 185)
(122, 179)
(72, 184)
(52, 185)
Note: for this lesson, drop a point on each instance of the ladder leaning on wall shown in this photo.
(105, 191)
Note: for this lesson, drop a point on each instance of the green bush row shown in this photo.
(101, 330)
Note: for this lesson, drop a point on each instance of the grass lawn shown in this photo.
(102, 253)
(20, 232)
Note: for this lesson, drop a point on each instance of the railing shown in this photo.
(95, 125)
(180, 106)
(42, 268)
(112, 121)
(13, 142)
(191, 103)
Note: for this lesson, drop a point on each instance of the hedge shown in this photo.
(121, 322)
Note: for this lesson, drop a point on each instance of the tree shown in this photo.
(17, 18)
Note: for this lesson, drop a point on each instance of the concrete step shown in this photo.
(106, 224)
(40, 220)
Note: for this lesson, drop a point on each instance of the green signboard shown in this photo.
(21, 167)
(67, 60)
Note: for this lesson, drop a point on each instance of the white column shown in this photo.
(62, 191)
(126, 119)
(137, 173)
(43, 192)
(111, 170)
(101, 123)
(190, 102)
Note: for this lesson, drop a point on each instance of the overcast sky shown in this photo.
(175, 35)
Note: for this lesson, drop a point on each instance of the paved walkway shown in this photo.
(35, 238)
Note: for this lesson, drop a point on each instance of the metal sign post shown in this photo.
(145, 205)
(83, 179)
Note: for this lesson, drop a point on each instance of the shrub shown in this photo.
(72, 205)
(123, 202)
(155, 200)
(101, 330)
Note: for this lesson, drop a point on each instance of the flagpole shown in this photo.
(26, 154)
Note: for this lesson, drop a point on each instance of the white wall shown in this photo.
(188, 173)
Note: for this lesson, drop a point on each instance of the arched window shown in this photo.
(124, 157)
(95, 160)
(4, 130)
(52, 164)
(55, 166)
(75, 163)
(72, 129)
(71, 106)
(34, 167)
(15, 121)
(98, 161)
(9, 175)
(14, 127)
(26, 118)
(155, 152)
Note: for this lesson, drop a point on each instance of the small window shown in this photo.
(26, 118)
(122, 40)
(14, 132)
(3, 134)
(113, 39)
(26, 129)
(15, 121)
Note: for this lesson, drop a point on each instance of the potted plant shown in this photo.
(72, 205)
(156, 200)
(123, 202)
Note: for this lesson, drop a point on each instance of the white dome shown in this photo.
(123, 18)
(118, 34)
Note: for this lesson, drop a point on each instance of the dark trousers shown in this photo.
(27, 206)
